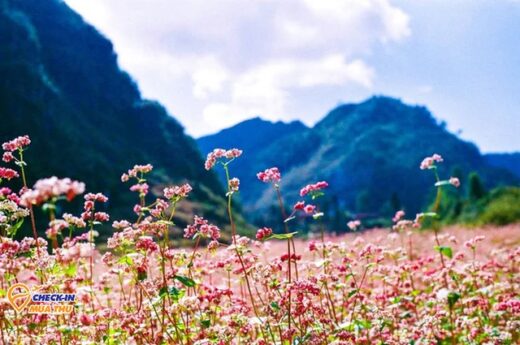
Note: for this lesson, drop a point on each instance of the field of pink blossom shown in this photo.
(406, 285)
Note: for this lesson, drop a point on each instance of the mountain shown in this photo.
(509, 161)
(61, 85)
(368, 152)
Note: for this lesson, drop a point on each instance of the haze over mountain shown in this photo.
(61, 84)
(368, 152)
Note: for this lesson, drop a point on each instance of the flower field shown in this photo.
(411, 284)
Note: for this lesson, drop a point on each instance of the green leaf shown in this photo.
(352, 293)
(13, 229)
(126, 260)
(282, 236)
(205, 323)
(453, 297)
(70, 270)
(446, 251)
(275, 306)
(186, 281)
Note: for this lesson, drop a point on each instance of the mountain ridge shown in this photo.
(62, 85)
(369, 152)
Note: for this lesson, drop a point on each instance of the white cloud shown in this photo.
(264, 89)
(213, 63)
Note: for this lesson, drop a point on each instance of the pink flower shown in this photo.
(136, 170)
(234, 183)
(86, 320)
(312, 188)
(309, 209)
(354, 224)
(202, 227)
(270, 175)
(299, 205)
(6, 173)
(16, 143)
(52, 187)
(263, 233)
(398, 216)
(455, 182)
(177, 191)
(213, 157)
(142, 188)
(147, 244)
(96, 197)
(429, 162)
(213, 245)
(7, 157)
(101, 217)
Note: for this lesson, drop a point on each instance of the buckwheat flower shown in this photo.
(86, 320)
(16, 144)
(202, 228)
(136, 170)
(234, 183)
(142, 188)
(177, 191)
(7, 157)
(311, 188)
(99, 197)
(354, 224)
(52, 187)
(454, 182)
(214, 156)
(55, 228)
(101, 217)
(472, 243)
(299, 206)
(263, 233)
(147, 244)
(429, 162)
(309, 209)
(74, 221)
(6, 173)
(270, 175)
(213, 245)
(398, 216)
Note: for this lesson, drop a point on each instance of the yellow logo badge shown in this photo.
(19, 296)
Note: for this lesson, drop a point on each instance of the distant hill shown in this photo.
(61, 84)
(369, 153)
(509, 161)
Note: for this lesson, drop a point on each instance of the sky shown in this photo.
(216, 63)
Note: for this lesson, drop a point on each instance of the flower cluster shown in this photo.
(234, 184)
(453, 286)
(136, 172)
(6, 173)
(201, 227)
(17, 144)
(177, 192)
(219, 154)
(50, 188)
(263, 233)
(429, 162)
(313, 188)
(271, 175)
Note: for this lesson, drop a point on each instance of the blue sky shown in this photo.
(215, 63)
